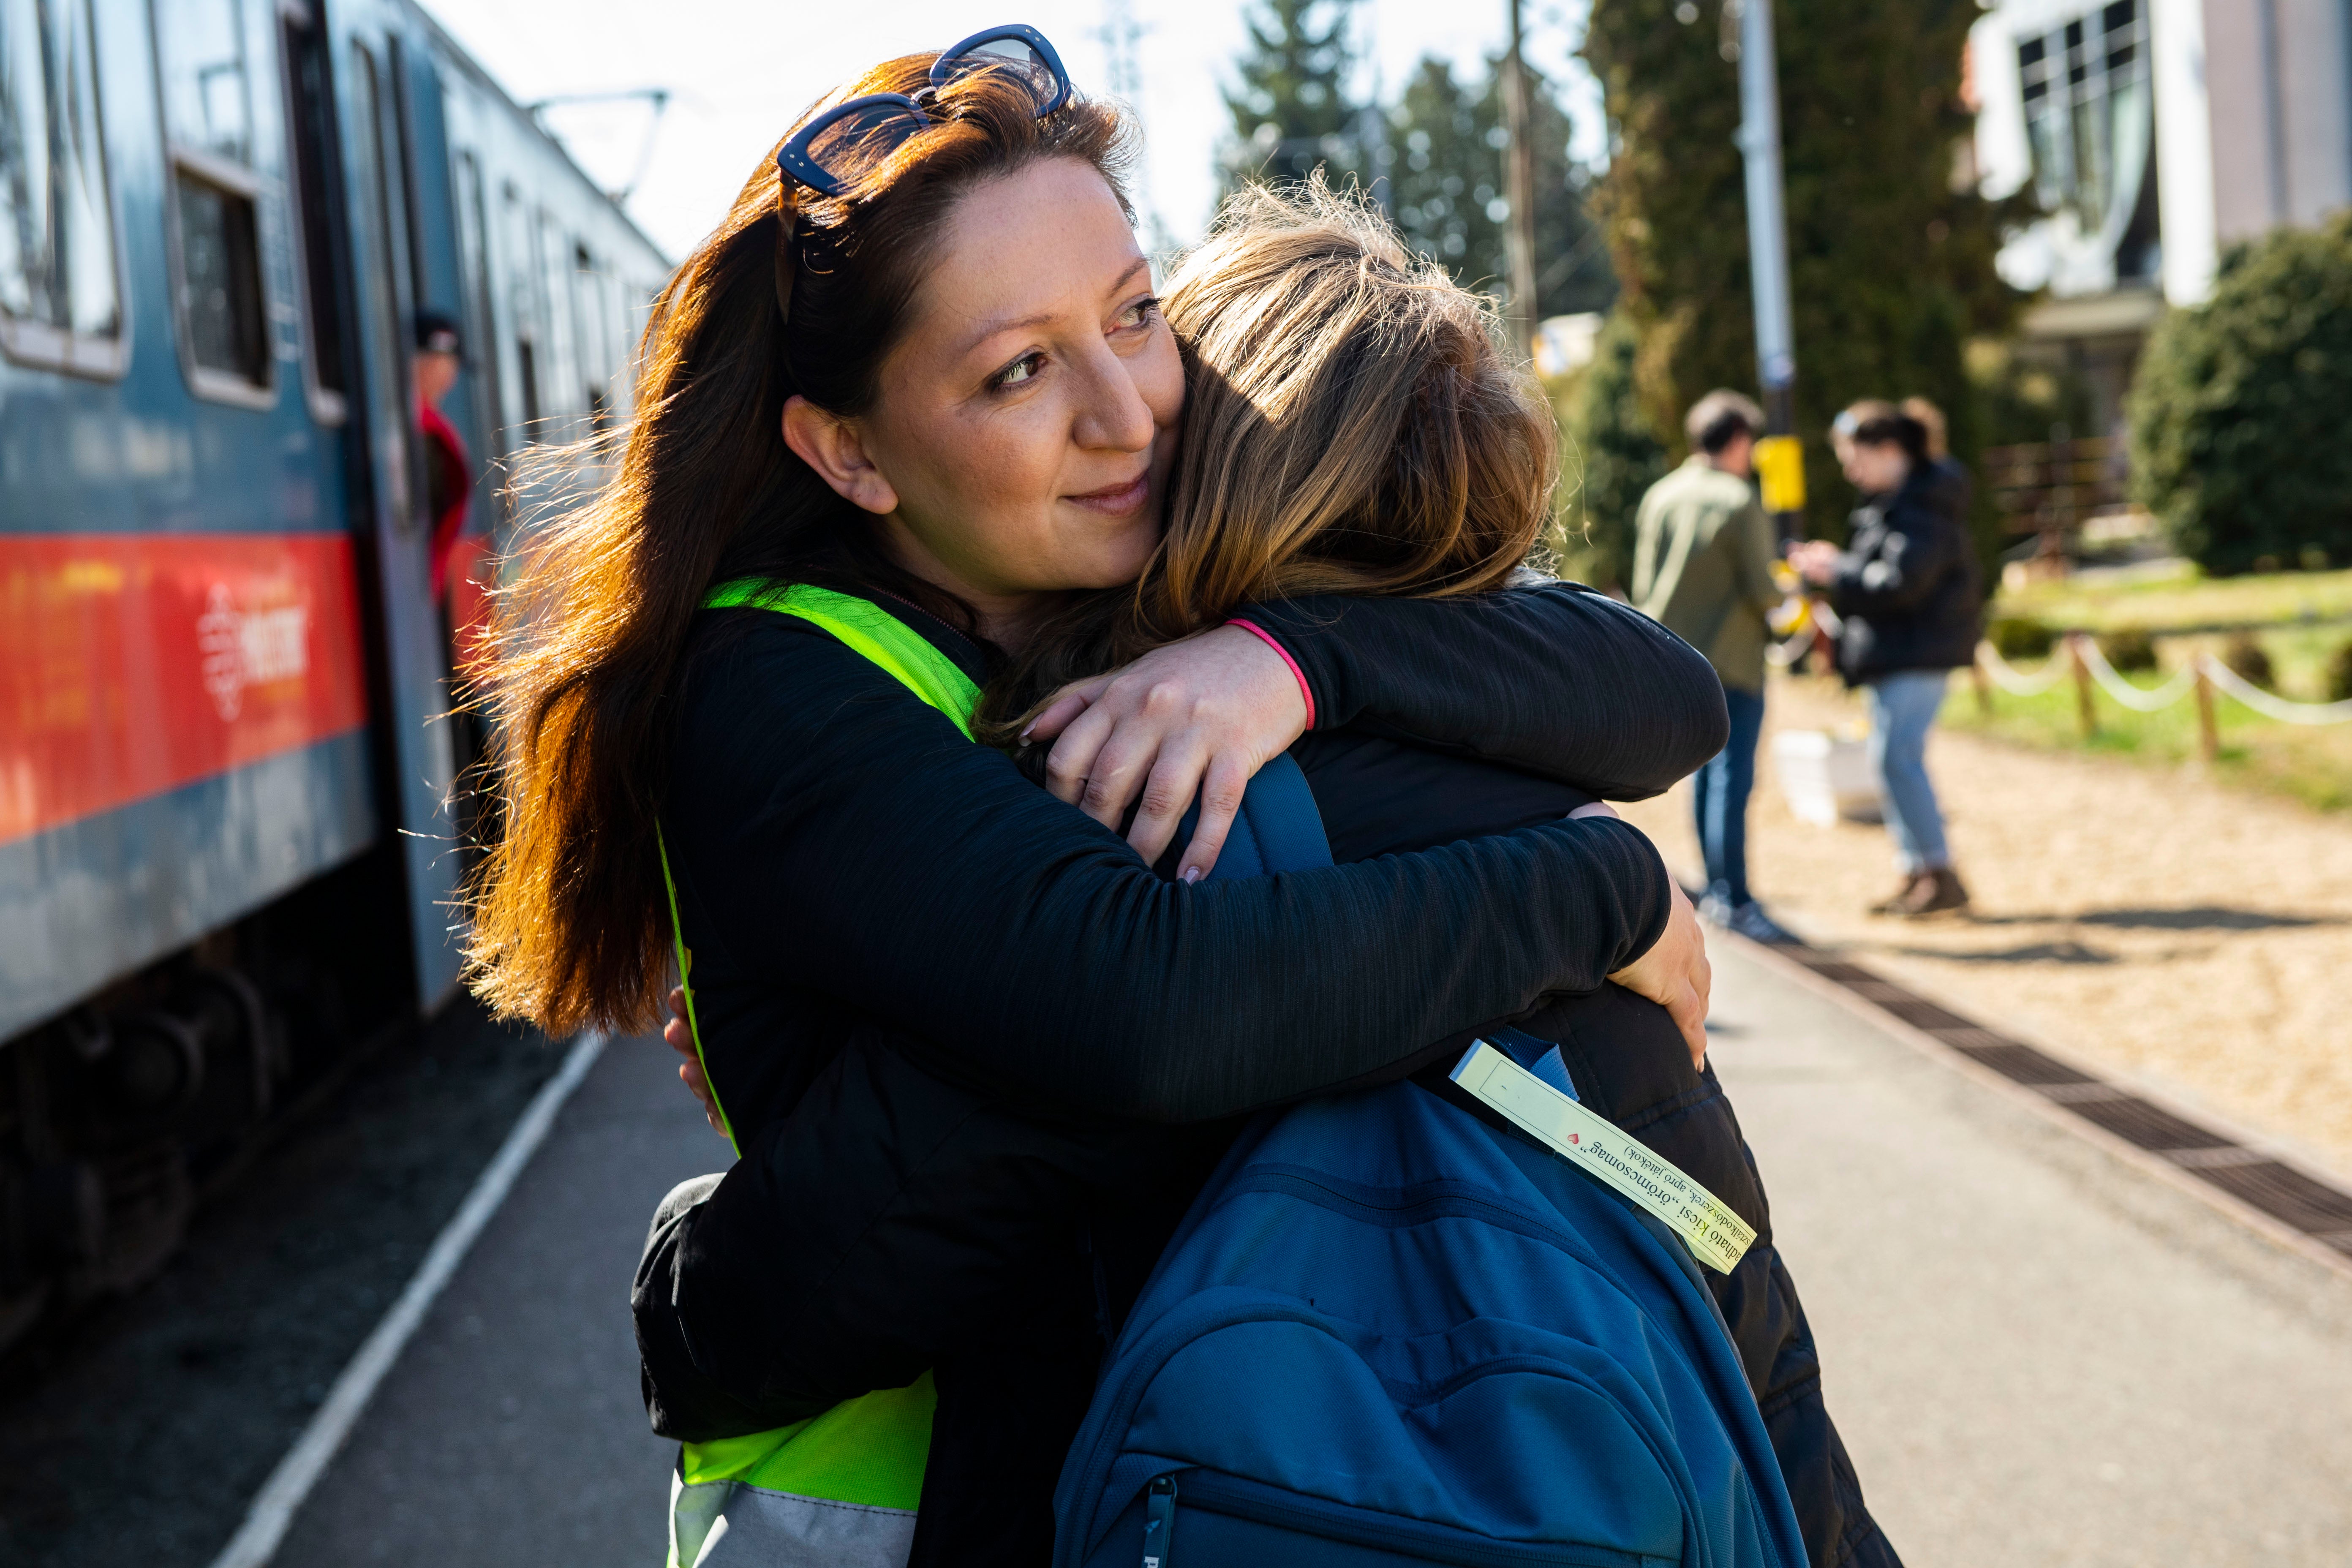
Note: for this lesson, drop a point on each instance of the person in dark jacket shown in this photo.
(901, 1213)
(1907, 588)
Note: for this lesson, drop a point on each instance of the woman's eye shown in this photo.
(1140, 314)
(1026, 368)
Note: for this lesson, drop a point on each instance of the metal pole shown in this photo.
(1768, 233)
(1519, 190)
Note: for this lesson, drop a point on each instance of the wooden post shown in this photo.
(2208, 732)
(1983, 683)
(2082, 686)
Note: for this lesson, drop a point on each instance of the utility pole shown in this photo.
(1780, 463)
(1519, 191)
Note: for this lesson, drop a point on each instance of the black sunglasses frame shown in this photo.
(793, 160)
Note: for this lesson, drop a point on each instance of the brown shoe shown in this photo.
(1937, 892)
(1899, 901)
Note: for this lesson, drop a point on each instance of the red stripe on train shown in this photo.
(131, 664)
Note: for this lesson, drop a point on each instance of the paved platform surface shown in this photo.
(511, 1432)
(2039, 1356)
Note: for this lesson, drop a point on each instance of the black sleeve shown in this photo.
(832, 835)
(1556, 679)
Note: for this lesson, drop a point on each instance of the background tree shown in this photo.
(2237, 411)
(1891, 269)
(1292, 111)
(1446, 183)
(1610, 457)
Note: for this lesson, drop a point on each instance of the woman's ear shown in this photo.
(835, 447)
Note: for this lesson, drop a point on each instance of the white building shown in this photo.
(2157, 132)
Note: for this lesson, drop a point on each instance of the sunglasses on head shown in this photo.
(827, 153)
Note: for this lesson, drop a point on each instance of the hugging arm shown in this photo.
(1556, 678)
(836, 836)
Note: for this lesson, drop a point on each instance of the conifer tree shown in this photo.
(1292, 111)
(1890, 267)
(1446, 184)
(1611, 456)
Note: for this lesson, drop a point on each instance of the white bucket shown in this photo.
(1826, 777)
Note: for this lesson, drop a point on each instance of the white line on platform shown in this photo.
(274, 1506)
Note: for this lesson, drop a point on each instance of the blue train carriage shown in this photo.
(226, 847)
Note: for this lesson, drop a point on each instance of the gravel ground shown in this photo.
(2187, 937)
(139, 1436)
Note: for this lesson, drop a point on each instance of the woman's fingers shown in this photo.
(1067, 704)
(1220, 790)
(1222, 692)
(1168, 790)
(1675, 974)
(679, 1035)
(1070, 765)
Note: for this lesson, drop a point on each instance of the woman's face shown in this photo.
(1022, 438)
(1876, 469)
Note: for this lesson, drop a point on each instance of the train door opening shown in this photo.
(414, 645)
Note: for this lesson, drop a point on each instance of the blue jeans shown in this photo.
(1720, 791)
(1903, 707)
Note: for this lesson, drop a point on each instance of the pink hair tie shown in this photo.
(1298, 674)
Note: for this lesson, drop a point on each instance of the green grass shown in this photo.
(2183, 596)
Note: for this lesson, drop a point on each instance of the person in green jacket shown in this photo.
(1703, 566)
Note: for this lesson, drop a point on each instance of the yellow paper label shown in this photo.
(1716, 1236)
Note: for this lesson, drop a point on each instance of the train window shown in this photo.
(311, 130)
(61, 300)
(560, 369)
(520, 245)
(202, 76)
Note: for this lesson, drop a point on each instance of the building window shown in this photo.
(208, 108)
(2087, 115)
(61, 300)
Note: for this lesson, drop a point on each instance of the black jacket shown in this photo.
(906, 1212)
(1908, 585)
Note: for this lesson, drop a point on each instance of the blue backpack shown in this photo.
(1388, 1332)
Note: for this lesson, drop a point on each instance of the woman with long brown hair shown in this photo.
(905, 403)
(1351, 429)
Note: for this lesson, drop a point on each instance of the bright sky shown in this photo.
(737, 73)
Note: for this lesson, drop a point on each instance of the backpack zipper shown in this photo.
(1158, 1522)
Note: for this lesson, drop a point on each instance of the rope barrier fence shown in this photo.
(2201, 678)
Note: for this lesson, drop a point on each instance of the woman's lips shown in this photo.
(1116, 500)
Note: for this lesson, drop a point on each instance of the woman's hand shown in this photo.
(1197, 717)
(679, 1036)
(1675, 974)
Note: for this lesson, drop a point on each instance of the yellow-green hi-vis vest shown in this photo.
(839, 1490)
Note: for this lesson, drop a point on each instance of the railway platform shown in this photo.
(2039, 1353)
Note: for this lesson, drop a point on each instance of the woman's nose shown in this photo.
(1113, 414)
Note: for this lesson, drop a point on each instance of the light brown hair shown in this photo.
(1351, 425)
(794, 293)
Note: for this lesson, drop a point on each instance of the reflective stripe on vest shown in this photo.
(838, 1489)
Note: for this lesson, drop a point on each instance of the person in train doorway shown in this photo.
(1703, 558)
(458, 553)
(1908, 589)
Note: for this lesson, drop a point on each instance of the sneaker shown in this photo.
(1750, 921)
(1899, 901)
(1939, 891)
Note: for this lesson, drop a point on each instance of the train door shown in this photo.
(377, 163)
